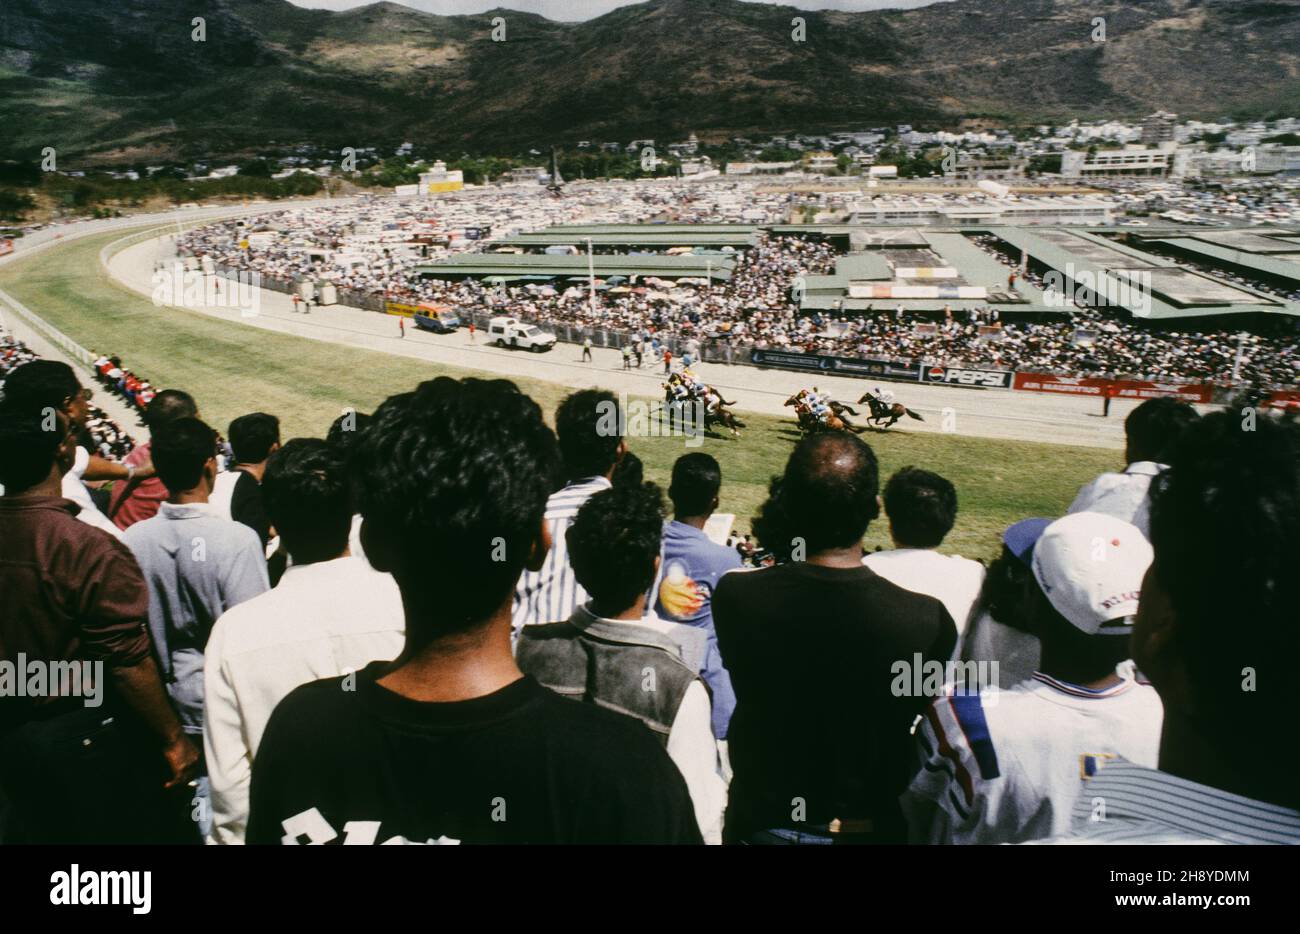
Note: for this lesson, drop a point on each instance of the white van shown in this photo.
(511, 332)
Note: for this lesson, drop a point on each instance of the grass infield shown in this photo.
(232, 369)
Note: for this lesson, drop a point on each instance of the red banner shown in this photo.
(1283, 399)
(1115, 388)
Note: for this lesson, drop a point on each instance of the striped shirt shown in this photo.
(1127, 803)
(1007, 766)
(552, 594)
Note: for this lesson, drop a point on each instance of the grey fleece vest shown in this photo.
(626, 668)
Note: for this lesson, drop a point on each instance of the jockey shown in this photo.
(681, 392)
(712, 400)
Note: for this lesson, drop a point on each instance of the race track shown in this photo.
(978, 412)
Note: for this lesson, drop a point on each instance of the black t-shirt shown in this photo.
(521, 765)
(818, 731)
(246, 506)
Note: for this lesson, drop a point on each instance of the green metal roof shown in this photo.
(516, 264)
(555, 236)
(1287, 269)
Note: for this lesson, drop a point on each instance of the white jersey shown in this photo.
(1008, 766)
(223, 490)
(952, 580)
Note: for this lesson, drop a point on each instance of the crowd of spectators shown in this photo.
(756, 307)
(450, 623)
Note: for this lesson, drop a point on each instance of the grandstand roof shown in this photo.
(513, 265)
(555, 236)
(1269, 265)
(1174, 292)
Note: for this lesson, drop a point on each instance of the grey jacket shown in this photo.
(622, 666)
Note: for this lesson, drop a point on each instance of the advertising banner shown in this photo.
(1117, 388)
(1283, 399)
(966, 376)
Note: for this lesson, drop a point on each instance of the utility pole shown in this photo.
(591, 277)
(1241, 356)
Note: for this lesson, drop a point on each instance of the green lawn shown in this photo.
(235, 368)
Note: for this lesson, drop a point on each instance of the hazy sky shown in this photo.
(585, 9)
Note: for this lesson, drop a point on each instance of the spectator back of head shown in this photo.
(167, 406)
(181, 450)
(453, 480)
(308, 499)
(825, 499)
(29, 444)
(613, 543)
(922, 507)
(253, 436)
(39, 385)
(588, 426)
(697, 479)
(1154, 426)
(1225, 525)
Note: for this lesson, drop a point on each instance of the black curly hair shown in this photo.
(613, 543)
(452, 481)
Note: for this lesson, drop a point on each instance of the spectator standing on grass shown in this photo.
(591, 449)
(922, 509)
(330, 614)
(196, 565)
(50, 388)
(1215, 634)
(1151, 430)
(819, 743)
(605, 652)
(1003, 766)
(690, 567)
(452, 743)
(237, 492)
(137, 500)
(74, 594)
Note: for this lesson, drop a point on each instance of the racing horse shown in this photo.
(887, 412)
(810, 423)
(721, 415)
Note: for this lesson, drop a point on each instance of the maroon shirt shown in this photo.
(70, 591)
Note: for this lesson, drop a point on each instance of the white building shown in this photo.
(1166, 160)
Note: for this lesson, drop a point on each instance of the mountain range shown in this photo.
(128, 82)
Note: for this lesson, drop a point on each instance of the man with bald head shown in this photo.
(819, 741)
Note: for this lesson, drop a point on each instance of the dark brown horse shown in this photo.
(887, 412)
(810, 423)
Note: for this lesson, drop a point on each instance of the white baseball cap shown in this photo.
(1090, 567)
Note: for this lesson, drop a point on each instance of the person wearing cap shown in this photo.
(1150, 431)
(1005, 766)
(1216, 634)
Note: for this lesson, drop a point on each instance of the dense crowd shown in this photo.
(437, 624)
(756, 307)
